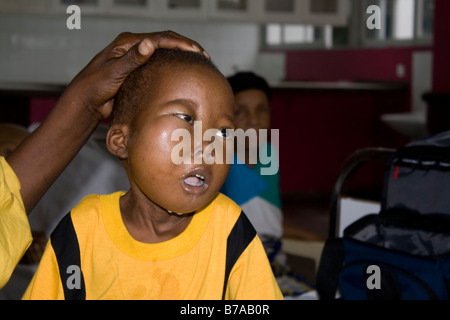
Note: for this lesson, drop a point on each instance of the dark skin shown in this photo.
(252, 111)
(88, 99)
(160, 205)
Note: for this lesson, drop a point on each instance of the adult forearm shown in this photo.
(42, 157)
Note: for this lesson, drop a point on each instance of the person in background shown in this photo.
(258, 194)
(28, 172)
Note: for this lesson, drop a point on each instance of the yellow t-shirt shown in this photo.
(190, 266)
(15, 233)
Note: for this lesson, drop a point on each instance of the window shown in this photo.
(79, 2)
(291, 35)
(425, 13)
(141, 3)
(402, 22)
(280, 6)
(184, 4)
(232, 4)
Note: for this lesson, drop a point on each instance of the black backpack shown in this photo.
(403, 251)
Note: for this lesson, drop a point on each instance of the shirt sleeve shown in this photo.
(252, 277)
(46, 283)
(15, 233)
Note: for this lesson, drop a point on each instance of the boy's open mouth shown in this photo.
(196, 180)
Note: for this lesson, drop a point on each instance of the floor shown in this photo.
(310, 213)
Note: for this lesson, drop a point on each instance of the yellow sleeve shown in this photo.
(15, 233)
(46, 282)
(252, 277)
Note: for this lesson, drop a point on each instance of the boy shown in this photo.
(30, 170)
(172, 235)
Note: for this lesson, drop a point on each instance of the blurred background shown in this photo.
(339, 85)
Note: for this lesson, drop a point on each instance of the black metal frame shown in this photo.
(351, 166)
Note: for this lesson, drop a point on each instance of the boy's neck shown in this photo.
(148, 223)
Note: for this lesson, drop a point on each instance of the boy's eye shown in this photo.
(185, 117)
(225, 134)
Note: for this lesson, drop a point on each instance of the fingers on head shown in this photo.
(172, 40)
(164, 39)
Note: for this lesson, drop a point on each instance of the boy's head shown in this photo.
(252, 96)
(170, 93)
(143, 83)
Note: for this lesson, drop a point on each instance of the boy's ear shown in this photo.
(116, 140)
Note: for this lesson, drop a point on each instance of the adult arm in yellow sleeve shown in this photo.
(45, 153)
(15, 233)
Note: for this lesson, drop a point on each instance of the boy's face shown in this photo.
(184, 95)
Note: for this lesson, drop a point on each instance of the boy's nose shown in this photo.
(199, 148)
(204, 152)
(198, 152)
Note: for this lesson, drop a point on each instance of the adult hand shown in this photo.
(96, 85)
(88, 99)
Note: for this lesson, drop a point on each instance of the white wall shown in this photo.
(40, 48)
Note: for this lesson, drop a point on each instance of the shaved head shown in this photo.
(142, 83)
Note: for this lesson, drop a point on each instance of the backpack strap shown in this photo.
(65, 245)
(331, 264)
(238, 240)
